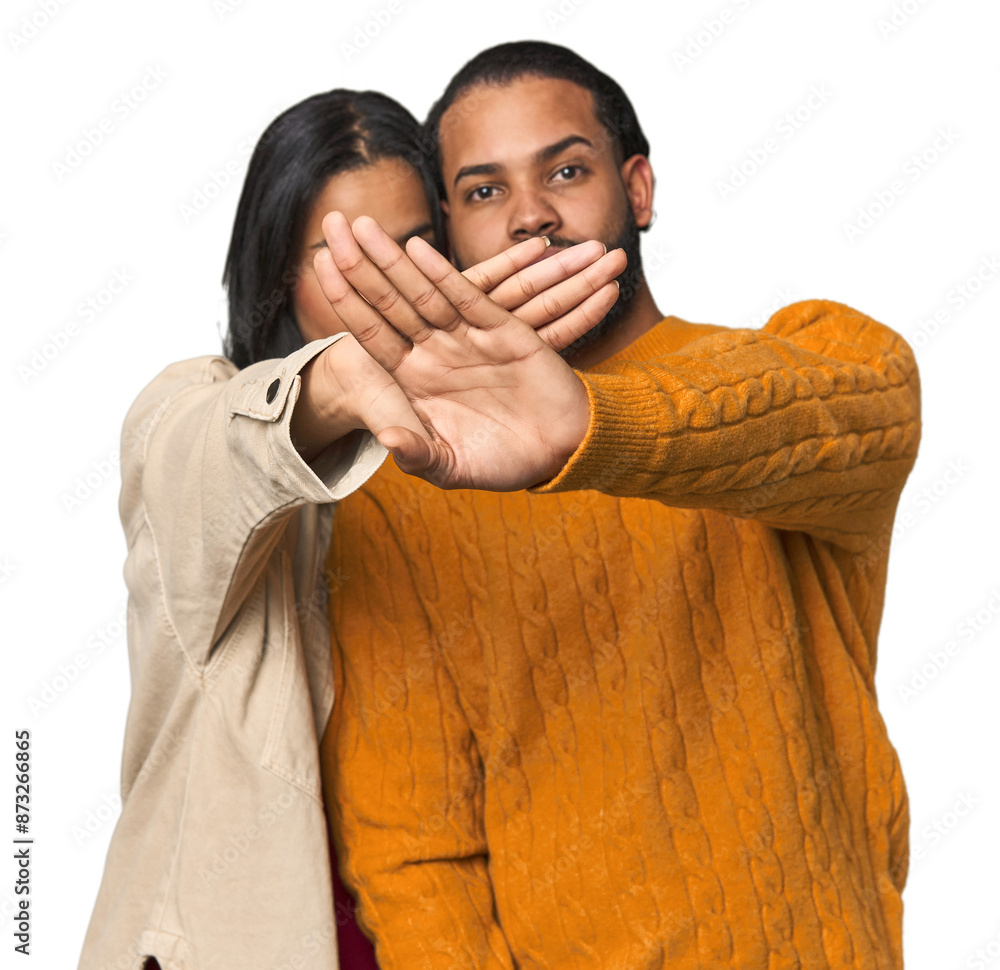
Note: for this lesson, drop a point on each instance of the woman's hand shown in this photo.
(344, 389)
(497, 407)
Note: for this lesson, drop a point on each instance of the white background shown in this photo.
(227, 68)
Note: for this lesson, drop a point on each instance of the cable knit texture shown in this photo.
(627, 719)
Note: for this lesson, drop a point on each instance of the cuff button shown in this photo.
(272, 390)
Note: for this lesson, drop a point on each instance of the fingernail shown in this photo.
(548, 242)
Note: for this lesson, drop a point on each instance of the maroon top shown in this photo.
(354, 948)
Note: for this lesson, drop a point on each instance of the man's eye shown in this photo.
(482, 192)
(568, 172)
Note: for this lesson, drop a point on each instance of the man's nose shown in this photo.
(532, 215)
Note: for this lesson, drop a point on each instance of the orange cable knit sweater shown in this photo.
(627, 719)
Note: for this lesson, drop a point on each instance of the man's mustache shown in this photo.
(562, 242)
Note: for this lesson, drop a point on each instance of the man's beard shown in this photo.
(628, 282)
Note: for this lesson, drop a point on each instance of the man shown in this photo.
(626, 717)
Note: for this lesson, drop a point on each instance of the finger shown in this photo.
(465, 301)
(562, 332)
(368, 279)
(413, 454)
(490, 273)
(545, 273)
(417, 292)
(382, 341)
(558, 300)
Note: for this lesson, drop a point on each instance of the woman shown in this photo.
(220, 855)
(356, 152)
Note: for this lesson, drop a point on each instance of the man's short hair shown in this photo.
(533, 58)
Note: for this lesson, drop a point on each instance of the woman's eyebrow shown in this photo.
(416, 231)
(400, 240)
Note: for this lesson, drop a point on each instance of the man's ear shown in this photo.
(637, 175)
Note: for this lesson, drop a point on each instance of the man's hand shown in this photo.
(498, 408)
(544, 292)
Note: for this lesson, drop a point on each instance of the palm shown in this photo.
(496, 406)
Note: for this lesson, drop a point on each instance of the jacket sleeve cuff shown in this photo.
(267, 394)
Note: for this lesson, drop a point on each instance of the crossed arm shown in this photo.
(551, 303)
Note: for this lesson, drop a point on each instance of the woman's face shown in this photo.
(391, 192)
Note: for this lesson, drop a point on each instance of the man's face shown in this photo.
(530, 158)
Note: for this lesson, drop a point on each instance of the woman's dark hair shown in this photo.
(296, 156)
(534, 58)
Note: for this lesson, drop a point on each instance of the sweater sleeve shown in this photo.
(404, 780)
(810, 424)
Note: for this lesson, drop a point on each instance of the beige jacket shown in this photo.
(220, 856)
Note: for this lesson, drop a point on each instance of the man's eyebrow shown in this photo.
(546, 154)
(542, 155)
(487, 168)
